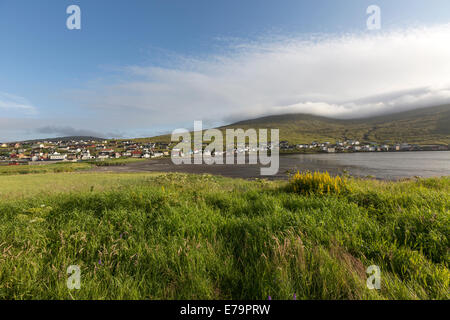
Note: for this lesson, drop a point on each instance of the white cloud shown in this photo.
(342, 76)
(11, 103)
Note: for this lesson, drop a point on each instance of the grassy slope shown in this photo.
(181, 236)
(420, 126)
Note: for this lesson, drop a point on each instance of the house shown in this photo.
(136, 154)
(58, 156)
(86, 155)
(157, 155)
(37, 146)
(106, 153)
(72, 157)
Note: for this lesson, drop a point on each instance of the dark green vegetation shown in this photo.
(421, 126)
(177, 236)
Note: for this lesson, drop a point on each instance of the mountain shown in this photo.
(420, 126)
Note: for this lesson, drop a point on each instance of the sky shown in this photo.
(142, 68)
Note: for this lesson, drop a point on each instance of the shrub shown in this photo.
(317, 183)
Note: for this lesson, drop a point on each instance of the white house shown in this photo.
(86, 155)
(157, 155)
(58, 156)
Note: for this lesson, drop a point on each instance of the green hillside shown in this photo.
(420, 126)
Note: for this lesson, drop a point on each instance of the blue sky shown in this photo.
(139, 68)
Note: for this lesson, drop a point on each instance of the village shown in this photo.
(79, 150)
(100, 150)
(357, 146)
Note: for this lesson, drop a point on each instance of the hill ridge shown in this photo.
(429, 125)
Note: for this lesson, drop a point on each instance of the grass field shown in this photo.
(64, 166)
(44, 168)
(178, 236)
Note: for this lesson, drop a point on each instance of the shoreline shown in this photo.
(289, 164)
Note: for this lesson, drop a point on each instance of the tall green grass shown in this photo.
(178, 236)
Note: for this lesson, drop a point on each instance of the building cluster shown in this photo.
(357, 146)
(227, 150)
(77, 150)
(85, 150)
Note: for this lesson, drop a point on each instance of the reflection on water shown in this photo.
(383, 165)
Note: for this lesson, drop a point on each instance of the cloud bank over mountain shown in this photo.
(67, 131)
(346, 76)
